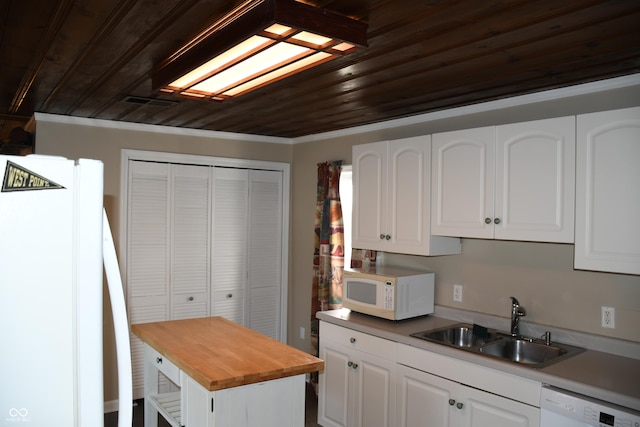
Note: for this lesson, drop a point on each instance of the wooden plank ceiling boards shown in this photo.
(94, 58)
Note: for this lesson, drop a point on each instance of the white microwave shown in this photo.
(388, 292)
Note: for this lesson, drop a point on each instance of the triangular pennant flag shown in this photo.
(18, 178)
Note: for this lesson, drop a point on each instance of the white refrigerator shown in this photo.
(54, 242)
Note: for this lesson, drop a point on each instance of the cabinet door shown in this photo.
(190, 219)
(370, 196)
(408, 195)
(607, 197)
(375, 390)
(481, 409)
(333, 399)
(424, 399)
(535, 180)
(462, 184)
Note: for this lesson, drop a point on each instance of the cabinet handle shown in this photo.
(350, 364)
(352, 340)
(452, 402)
(487, 220)
(159, 360)
(382, 237)
(388, 237)
(354, 365)
(190, 298)
(459, 405)
(496, 221)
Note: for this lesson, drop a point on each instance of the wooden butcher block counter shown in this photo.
(220, 354)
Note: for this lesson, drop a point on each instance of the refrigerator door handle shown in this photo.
(121, 326)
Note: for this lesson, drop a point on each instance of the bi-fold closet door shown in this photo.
(246, 248)
(203, 241)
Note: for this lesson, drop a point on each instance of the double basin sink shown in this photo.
(535, 353)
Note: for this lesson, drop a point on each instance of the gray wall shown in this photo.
(95, 141)
(540, 275)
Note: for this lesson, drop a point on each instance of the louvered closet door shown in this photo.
(190, 220)
(229, 243)
(265, 252)
(147, 253)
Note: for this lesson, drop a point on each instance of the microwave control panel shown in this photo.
(388, 296)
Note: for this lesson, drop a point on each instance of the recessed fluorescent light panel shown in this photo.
(258, 43)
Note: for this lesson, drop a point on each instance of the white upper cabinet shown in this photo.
(462, 183)
(511, 182)
(607, 194)
(391, 198)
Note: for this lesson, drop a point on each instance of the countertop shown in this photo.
(604, 376)
(219, 354)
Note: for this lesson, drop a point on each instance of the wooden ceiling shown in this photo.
(93, 58)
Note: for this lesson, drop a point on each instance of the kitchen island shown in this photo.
(228, 375)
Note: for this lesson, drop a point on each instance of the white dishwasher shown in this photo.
(561, 408)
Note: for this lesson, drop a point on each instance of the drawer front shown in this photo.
(164, 365)
(356, 340)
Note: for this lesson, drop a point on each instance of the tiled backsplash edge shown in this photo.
(593, 342)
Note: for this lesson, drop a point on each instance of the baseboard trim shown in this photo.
(112, 406)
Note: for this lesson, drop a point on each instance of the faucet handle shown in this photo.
(516, 308)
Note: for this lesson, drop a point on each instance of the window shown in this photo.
(346, 198)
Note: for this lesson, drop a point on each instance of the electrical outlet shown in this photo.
(302, 332)
(457, 293)
(608, 317)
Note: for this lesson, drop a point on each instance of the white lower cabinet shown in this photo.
(370, 381)
(357, 386)
(436, 390)
(427, 400)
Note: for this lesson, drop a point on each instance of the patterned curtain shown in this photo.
(328, 256)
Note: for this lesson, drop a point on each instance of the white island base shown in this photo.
(275, 403)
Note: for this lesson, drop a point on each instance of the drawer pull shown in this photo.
(352, 340)
(190, 298)
(159, 360)
(229, 295)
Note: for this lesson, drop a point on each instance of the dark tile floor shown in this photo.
(311, 413)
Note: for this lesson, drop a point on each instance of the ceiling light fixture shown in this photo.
(258, 43)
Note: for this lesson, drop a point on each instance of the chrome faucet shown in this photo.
(516, 313)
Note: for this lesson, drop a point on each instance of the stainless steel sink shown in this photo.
(460, 335)
(487, 342)
(529, 352)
